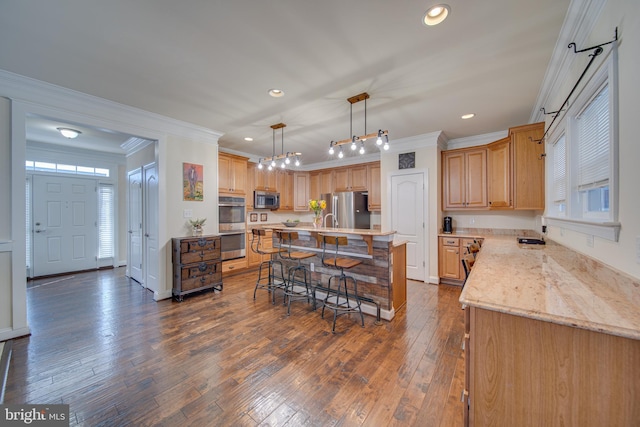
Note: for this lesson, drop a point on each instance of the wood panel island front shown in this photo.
(382, 274)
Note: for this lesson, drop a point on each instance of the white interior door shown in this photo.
(150, 225)
(134, 221)
(408, 219)
(65, 212)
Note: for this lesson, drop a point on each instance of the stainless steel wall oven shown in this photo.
(232, 226)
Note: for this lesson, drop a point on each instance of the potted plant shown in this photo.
(196, 226)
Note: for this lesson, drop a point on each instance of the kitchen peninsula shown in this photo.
(382, 274)
(552, 338)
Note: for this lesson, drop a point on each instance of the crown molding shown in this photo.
(578, 24)
(93, 109)
(133, 145)
(472, 141)
(425, 140)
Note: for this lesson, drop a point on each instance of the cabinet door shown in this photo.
(224, 173)
(453, 180)
(251, 185)
(326, 182)
(265, 179)
(314, 185)
(300, 191)
(449, 260)
(499, 174)
(341, 180)
(476, 178)
(358, 178)
(528, 191)
(375, 197)
(285, 188)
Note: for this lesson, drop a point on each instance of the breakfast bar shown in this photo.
(552, 337)
(381, 275)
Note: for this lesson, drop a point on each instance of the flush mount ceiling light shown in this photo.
(69, 133)
(467, 116)
(248, 139)
(436, 14)
(276, 93)
(361, 139)
(272, 161)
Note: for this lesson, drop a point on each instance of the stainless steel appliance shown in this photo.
(266, 200)
(232, 227)
(447, 227)
(347, 210)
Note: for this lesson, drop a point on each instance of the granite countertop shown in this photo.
(554, 284)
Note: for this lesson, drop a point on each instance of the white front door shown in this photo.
(408, 219)
(65, 233)
(134, 220)
(150, 225)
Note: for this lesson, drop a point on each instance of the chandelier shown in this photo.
(272, 162)
(382, 136)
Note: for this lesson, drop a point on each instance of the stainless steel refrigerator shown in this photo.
(349, 210)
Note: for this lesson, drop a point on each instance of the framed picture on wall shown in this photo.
(192, 184)
(407, 160)
(263, 217)
(253, 217)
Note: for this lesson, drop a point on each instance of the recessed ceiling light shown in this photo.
(276, 93)
(467, 116)
(248, 138)
(69, 133)
(436, 14)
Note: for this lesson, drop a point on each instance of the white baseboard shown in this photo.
(157, 296)
(7, 334)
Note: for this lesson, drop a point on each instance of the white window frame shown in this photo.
(576, 218)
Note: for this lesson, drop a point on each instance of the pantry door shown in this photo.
(65, 232)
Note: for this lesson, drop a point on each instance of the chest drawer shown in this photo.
(197, 250)
(450, 241)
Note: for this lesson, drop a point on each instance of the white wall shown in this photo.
(6, 292)
(624, 14)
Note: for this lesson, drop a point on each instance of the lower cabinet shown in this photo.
(196, 265)
(450, 251)
(254, 259)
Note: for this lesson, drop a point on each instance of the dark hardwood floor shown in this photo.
(102, 345)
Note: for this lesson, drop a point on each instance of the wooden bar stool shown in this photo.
(271, 282)
(341, 300)
(293, 288)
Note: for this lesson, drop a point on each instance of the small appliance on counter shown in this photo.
(447, 227)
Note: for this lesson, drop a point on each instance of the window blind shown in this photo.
(106, 213)
(559, 170)
(593, 142)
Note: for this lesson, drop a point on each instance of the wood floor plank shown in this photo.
(102, 344)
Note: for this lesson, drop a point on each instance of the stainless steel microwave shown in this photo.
(266, 200)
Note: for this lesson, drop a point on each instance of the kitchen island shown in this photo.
(382, 274)
(552, 338)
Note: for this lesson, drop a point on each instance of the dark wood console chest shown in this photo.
(196, 265)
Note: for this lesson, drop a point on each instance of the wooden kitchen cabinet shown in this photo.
(314, 185)
(300, 191)
(265, 179)
(375, 196)
(528, 166)
(352, 178)
(449, 258)
(499, 174)
(284, 185)
(232, 174)
(266, 242)
(326, 182)
(251, 179)
(196, 264)
(464, 179)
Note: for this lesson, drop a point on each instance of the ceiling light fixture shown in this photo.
(276, 93)
(248, 138)
(353, 140)
(436, 14)
(467, 116)
(69, 133)
(285, 157)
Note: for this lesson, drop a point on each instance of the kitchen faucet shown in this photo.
(324, 220)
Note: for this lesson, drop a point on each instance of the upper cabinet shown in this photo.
(499, 174)
(284, 181)
(265, 180)
(528, 166)
(251, 177)
(352, 178)
(232, 174)
(464, 184)
(300, 191)
(375, 197)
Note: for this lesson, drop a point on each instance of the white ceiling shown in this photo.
(211, 62)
